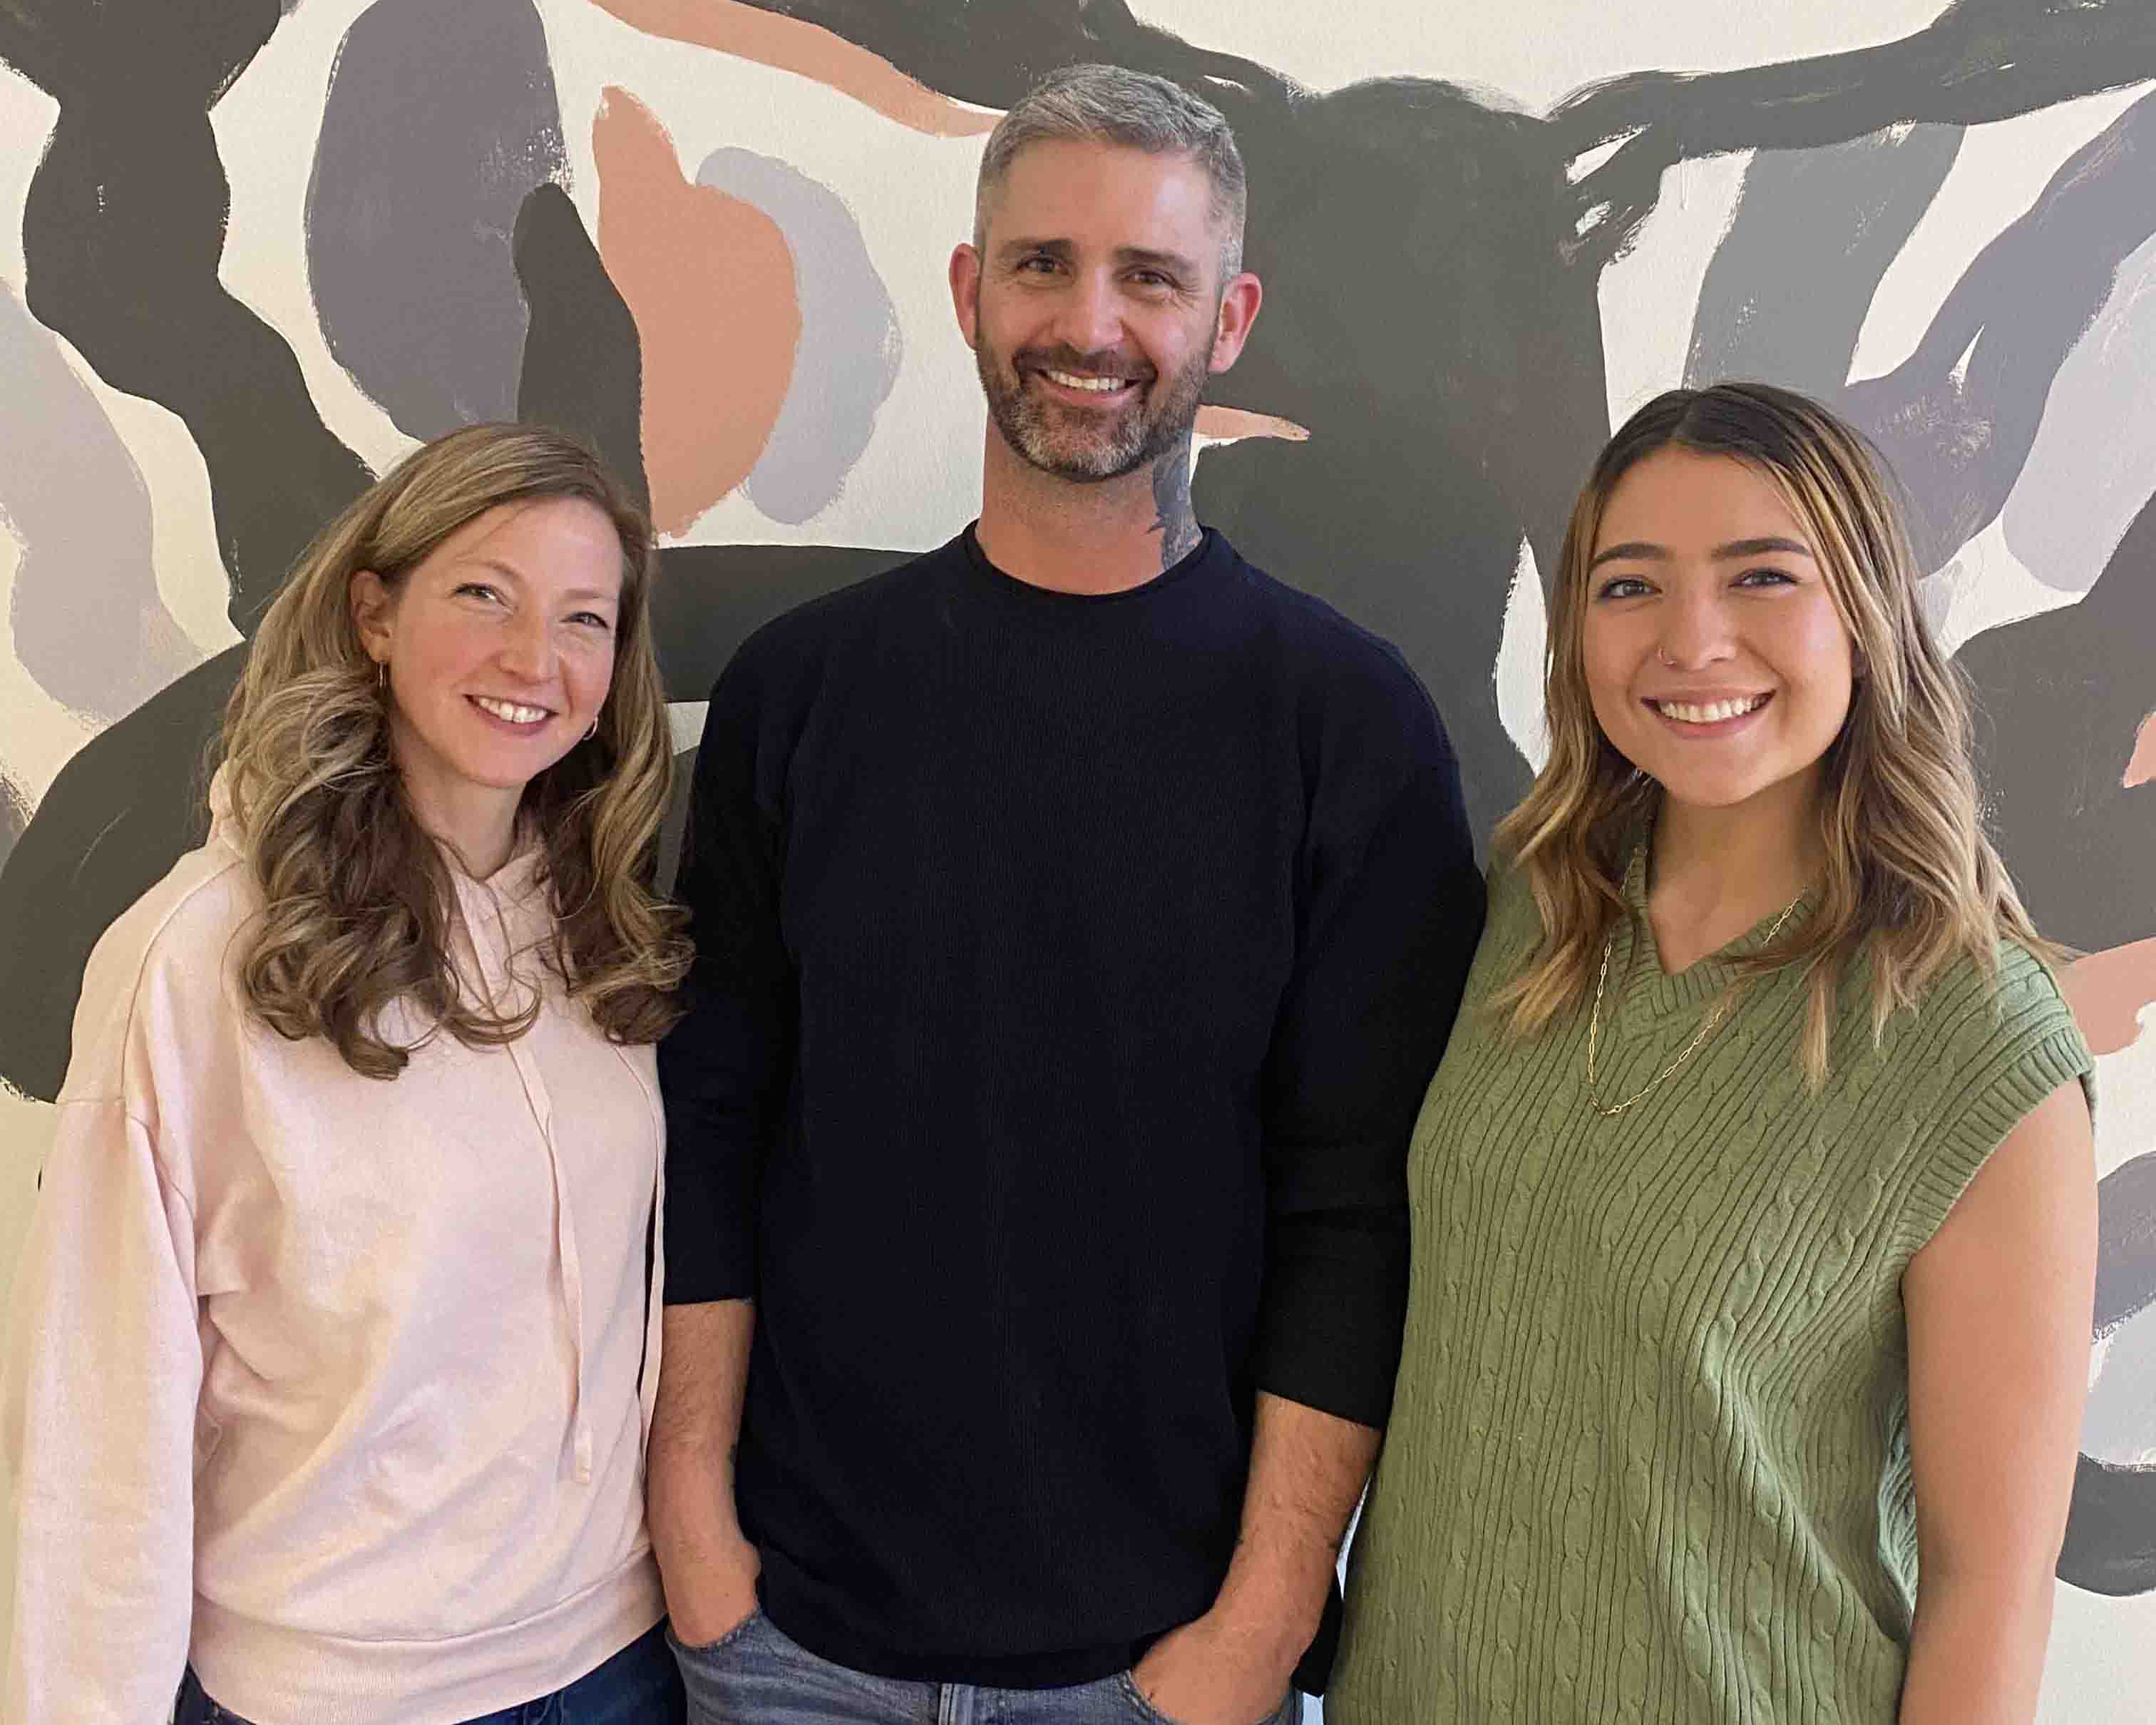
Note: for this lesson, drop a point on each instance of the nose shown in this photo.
(1089, 318)
(527, 648)
(1694, 633)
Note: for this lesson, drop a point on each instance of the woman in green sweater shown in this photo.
(1754, 1201)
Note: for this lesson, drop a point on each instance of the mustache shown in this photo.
(1102, 362)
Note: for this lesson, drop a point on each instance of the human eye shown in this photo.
(1766, 577)
(478, 590)
(593, 621)
(1036, 264)
(1622, 587)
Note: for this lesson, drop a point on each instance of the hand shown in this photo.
(1212, 1672)
(709, 1600)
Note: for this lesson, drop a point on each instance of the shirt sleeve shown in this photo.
(1392, 907)
(98, 1421)
(724, 1070)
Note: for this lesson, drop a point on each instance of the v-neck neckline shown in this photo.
(1645, 986)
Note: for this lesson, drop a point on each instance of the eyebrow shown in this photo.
(1646, 550)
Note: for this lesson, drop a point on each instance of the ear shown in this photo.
(372, 606)
(1239, 309)
(966, 292)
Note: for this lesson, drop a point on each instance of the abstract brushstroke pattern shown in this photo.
(711, 282)
(583, 367)
(1958, 417)
(2062, 698)
(2069, 509)
(2110, 1535)
(14, 814)
(1812, 235)
(847, 356)
(752, 32)
(122, 231)
(439, 120)
(87, 620)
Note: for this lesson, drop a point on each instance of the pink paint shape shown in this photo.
(2141, 767)
(1227, 425)
(2107, 990)
(709, 281)
(794, 45)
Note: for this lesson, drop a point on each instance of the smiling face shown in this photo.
(1715, 657)
(499, 651)
(1095, 306)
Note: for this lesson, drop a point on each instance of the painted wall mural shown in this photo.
(709, 235)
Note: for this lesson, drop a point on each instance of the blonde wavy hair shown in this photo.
(357, 899)
(1911, 881)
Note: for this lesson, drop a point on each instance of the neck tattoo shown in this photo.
(1173, 519)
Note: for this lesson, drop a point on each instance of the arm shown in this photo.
(709, 1570)
(98, 1425)
(1392, 908)
(1997, 1305)
(723, 1070)
(1233, 1665)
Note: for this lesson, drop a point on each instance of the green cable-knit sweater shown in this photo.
(1648, 1454)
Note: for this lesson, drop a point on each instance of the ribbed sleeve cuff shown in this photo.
(1329, 1338)
(711, 1241)
(2001, 1094)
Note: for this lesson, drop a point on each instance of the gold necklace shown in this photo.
(1708, 1024)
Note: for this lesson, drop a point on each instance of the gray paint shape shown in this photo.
(1957, 418)
(2067, 511)
(850, 346)
(1814, 231)
(439, 120)
(88, 621)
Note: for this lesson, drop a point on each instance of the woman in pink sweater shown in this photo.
(331, 1360)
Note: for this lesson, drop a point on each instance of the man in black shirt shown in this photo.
(1080, 915)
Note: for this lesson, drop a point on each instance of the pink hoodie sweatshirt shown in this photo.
(337, 1386)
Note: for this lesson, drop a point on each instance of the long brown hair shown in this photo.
(357, 901)
(1911, 881)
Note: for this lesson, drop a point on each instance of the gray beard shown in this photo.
(1061, 445)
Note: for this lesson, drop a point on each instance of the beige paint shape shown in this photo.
(1227, 425)
(2141, 767)
(2107, 990)
(709, 281)
(794, 45)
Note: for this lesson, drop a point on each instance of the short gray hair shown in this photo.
(1113, 105)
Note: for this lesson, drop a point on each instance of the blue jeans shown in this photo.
(638, 1686)
(757, 1675)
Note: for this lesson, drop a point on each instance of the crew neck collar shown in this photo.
(1196, 558)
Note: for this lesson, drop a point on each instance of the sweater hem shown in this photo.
(273, 1672)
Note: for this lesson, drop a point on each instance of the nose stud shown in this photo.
(1669, 662)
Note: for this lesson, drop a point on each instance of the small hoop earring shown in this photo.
(382, 675)
(1668, 662)
(592, 730)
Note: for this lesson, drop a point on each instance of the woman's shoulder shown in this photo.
(1973, 1005)
(166, 955)
(1514, 918)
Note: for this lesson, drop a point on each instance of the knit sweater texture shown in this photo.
(1649, 1456)
(1069, 970)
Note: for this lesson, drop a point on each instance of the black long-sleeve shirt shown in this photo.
(1070, 969)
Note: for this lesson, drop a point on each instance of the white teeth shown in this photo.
(1098, 386)
(509, 711)
(1713, 712)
